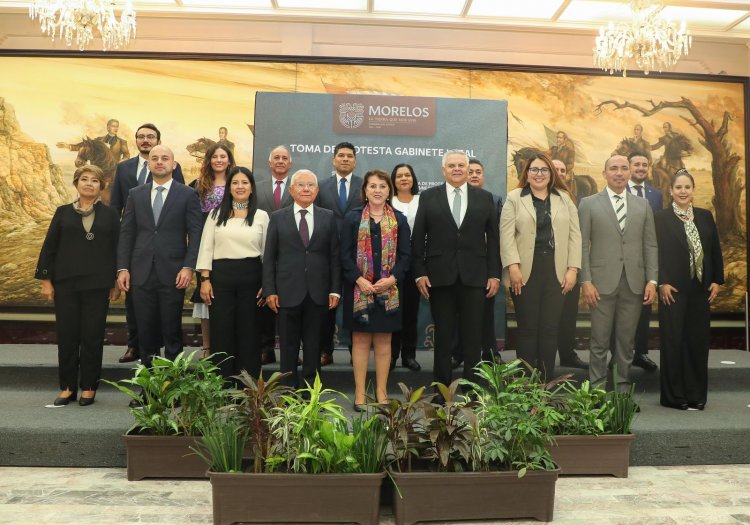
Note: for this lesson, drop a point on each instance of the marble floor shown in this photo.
(651, 495)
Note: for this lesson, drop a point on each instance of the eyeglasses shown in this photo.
(543, 171)
(143, 137)
(305, 185)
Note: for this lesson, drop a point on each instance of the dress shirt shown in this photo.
(632, 188)
(407, 208)
(615, 205)
(141, 162)
(463, 188)
(348, 186)
(284, 182)
(308, 217)
(164, 194)
(233, 240)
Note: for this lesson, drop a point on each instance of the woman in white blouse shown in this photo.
(406, 200)
(229, 263)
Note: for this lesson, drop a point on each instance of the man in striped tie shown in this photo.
(618, 270)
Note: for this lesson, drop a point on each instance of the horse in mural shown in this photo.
(97, 153)
(584, 185)
(659, 177)
(198, 148)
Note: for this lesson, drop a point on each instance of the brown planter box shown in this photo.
(595, 455)
(163, 457)
(295, 498)
(456, 496)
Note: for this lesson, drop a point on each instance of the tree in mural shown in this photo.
(725, 163)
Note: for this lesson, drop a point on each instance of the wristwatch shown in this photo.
(203, 279)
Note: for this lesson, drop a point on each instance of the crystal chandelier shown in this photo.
(649, 40)
(79, 20)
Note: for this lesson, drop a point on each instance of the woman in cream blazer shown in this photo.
(540, 249)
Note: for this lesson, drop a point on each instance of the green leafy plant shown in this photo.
(178, 397)
(223, 444)
(584, 409)
(620, 412)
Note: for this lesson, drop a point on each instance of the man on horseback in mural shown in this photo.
(676, 146)
(117, 146)
(565, 151)
(640, 143)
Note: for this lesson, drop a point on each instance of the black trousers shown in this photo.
(684, 328)
(538, 309)
(457, 306)
(566, 330)
(267, 331)
(641, 333)
(158, 312)
(235, 315)
(130, 320)
(80, 316)
(301, 323)
(404, 343)
(489, 342)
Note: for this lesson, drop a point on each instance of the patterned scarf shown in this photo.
(694, 241)
(389, 238)
(84, 211)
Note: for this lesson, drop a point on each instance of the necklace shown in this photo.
(240, 205)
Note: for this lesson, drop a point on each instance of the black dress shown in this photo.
(379, 320)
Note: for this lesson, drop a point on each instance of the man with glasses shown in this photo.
(130, 174)
(301, 275)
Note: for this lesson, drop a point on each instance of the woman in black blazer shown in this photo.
(691, 269)
(77, 270)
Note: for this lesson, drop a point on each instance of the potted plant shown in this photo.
(309, 464)
(177, 400)
(594, 434)
(483, 456)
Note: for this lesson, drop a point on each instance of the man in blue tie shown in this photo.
(339, 194)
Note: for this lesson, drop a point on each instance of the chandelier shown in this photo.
(649, 40)
(80, 20)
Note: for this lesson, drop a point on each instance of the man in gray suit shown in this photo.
(618, 269)
(273, 195)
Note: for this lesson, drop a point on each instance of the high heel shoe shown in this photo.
(86, 401)
(360, 407)
(62, 401)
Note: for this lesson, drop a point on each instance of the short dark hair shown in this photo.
(344, 145)
(225, 129)
(150, 126)
(112, 121)
(414, 186)
(636, 153)
(476, 161)
(380, 174)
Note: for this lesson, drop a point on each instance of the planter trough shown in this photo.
(595, 455)
(163, 457)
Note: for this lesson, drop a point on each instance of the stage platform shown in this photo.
(33, 435)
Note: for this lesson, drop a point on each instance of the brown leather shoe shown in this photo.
(266, 358)
(130, 355)
(326, 359)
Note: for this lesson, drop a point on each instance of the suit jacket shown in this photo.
(444, 252)
(328, 198)
(170, 245)
(674, 253)
(653, 196)
(518, 233)
(607, 250)
(67, 254)
(264, 191)
(290, 270)
(126, 178)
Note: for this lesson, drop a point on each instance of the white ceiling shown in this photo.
(710, 18)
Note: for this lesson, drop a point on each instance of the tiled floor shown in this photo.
(651, 495)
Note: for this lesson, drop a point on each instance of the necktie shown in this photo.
(304, 230)
(342, 194)
(457, 206)
(639, 189)
(620, 211)
(158, 203)
(277, 194)
(143, 174)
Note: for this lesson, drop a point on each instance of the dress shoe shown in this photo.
(492, 356)
(86, 401)
(678, 406)
(138, 403)
(411, 364)
(645, 362)
(326, 359)
(455, 363)
(130, 355)
(62, 401)
(574, 362)
(360, 408)
(267, 358)
(698, 406)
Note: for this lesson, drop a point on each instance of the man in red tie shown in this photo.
(273, 195)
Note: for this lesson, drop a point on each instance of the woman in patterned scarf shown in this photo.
(690, 272)
(375, 256)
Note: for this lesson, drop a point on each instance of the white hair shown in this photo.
(280, 146)
(302, 172)
(455, 152)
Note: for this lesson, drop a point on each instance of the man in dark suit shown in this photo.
(129, 174)
(639, 166)
(456, 262)
(301, 275)
(619, 269)
(273, 195)
(157, 252)
(340, 194)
